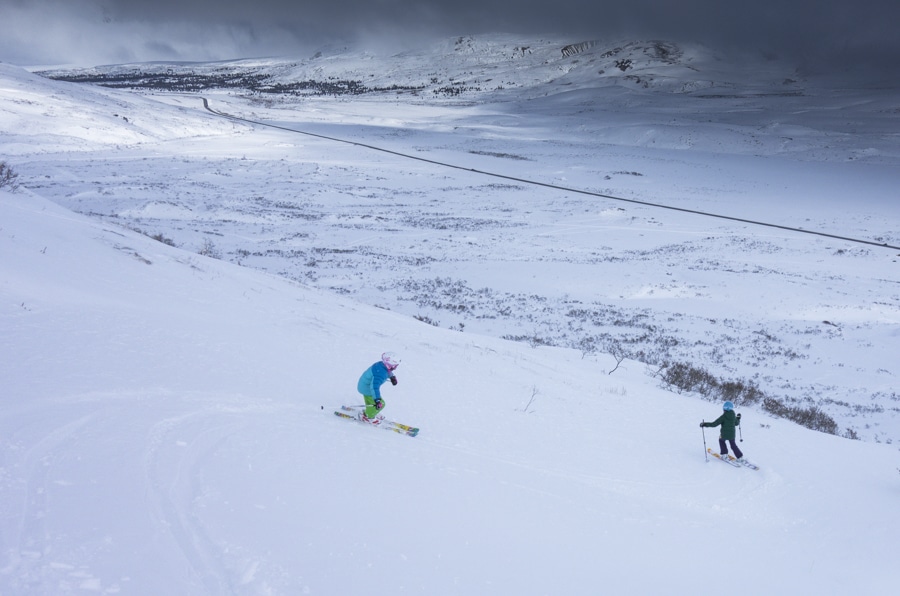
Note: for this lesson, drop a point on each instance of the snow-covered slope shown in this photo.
(37, 114)
(811, 321)
(167, 428)
(166, 419)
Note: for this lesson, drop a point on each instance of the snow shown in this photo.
(167, 417)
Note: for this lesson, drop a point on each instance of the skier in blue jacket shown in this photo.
(370, 386)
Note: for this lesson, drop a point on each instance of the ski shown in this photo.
(748, 464)
(726, 458)
(350, 413)
(412, 430)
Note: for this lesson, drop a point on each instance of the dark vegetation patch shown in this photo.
(193, 82)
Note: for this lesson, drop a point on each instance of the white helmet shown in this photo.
(390, 360)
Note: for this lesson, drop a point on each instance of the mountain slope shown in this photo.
(498, 66)
(167, 428)
(810, 321)
(39, 113)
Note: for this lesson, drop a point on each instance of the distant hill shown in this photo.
(460, 68)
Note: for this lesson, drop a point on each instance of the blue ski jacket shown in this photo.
(372, 379)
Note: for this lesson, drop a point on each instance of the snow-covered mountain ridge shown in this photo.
(463, 68)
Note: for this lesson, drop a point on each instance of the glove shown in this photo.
(702, 424)
(738, 415)
(394, 381)
(379, 403)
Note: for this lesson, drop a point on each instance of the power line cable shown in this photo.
(554, 186)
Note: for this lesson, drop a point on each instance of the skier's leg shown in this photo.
(723, 448)
(734, 447)
(370, 406)
(371, 410)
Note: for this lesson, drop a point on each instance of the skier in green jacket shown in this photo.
(729, 422)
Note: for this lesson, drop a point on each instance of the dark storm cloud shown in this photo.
(782, 21)
(814, 31)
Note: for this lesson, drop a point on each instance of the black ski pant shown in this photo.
(723, 449)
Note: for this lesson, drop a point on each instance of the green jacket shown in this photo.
(729, 421)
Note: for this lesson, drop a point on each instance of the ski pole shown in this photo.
(741, 431)
(705, 452)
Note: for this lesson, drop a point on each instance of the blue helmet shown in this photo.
(727, 406)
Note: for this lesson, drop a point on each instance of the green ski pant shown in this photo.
(371, 410)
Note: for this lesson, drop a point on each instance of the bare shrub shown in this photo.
(689, 378)
(209, 249)
(812, 417)
(161, 238)
(425, 319)
(8, 178)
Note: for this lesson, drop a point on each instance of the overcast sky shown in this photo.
(91, 32)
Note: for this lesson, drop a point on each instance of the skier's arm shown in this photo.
(379, 376)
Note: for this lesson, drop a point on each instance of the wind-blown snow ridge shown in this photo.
(577, 48)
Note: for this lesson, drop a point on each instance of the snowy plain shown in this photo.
(167, 416)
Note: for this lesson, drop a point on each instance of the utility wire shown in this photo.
(554, 186)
